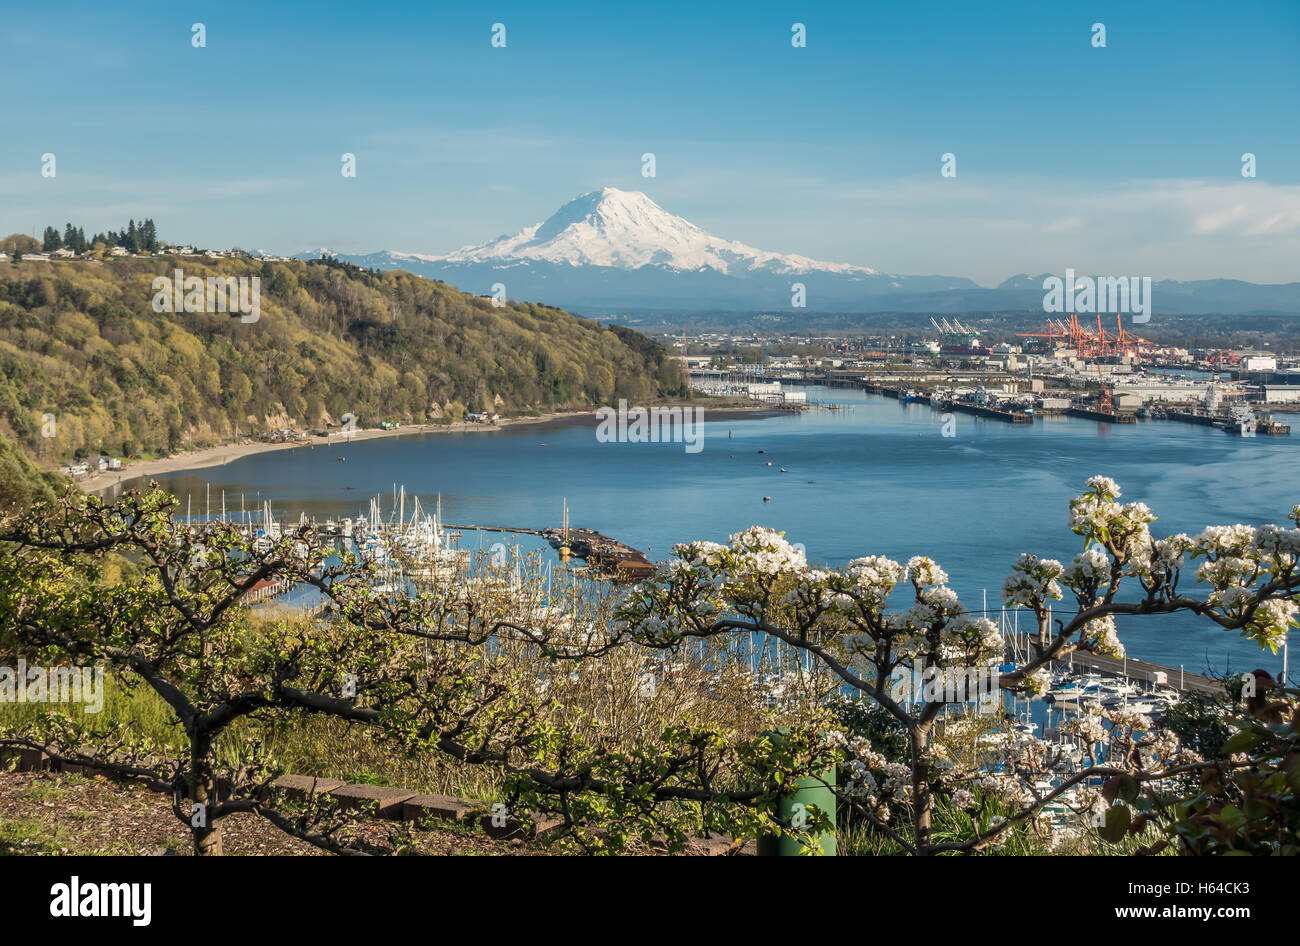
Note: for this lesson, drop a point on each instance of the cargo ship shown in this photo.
(1108, 417)
(966, 351)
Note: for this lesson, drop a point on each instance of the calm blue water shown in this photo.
(883, 481)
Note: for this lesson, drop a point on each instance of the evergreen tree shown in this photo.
(136, 238)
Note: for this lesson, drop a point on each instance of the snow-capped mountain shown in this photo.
(612, 248)
(628, 230)
(611, 251)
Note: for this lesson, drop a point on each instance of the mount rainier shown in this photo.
(612, 251)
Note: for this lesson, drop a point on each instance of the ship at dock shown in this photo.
(983, 404)
(1239, 418)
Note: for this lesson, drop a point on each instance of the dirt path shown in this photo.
(43, 813)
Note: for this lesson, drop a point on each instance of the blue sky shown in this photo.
(1118, 160)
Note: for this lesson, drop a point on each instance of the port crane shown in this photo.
(1105, 403)
(1091, 345)
(951, 328)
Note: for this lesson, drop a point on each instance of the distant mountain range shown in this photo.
(613, 250)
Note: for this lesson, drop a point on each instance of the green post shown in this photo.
(814, 791)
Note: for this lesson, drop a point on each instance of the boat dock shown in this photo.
(616, 560)
(1142, 671)
(1267, 427)
(1264, 425)
(983, 410)
(1107, 417)
(518, 531)
(612, 558)
(1189, 417)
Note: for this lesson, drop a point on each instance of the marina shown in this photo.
(876, 478)
(422, 546)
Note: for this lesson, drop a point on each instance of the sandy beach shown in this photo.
(224, 453)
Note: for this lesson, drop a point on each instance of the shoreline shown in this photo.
(225, 453)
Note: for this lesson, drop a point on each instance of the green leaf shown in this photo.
(1115, 825)
(1242, 741)
(1232, 817)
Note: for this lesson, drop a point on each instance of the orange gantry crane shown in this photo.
(1092, 345)
(1104, 402)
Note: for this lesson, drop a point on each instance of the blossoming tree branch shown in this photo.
(758, 582)
(489, 668)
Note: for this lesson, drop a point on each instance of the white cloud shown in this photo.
(988, 228)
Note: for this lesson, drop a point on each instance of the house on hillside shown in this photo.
(284, 435)
(117, 251)
(63, 253)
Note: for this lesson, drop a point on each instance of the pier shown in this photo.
(514, 529)
(1142, 670)
(1132, 670)
(1189, 417)
(612, 558)
(983, 410)
(1264, 425)
(618, 561)
(1106, 417)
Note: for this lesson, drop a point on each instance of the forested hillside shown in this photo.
(81, 341)
(21, 483)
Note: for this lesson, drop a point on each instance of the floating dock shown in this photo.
(613, 558)
(1270, 428)
(1142, 670)
(992, 413)
(1264, 426)
(1191, 417)
(1106, 417)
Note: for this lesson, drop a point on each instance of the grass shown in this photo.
(319, 746)
(333, 748)
(41, 791)
(24, 836)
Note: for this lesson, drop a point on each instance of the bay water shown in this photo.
(876, 477)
